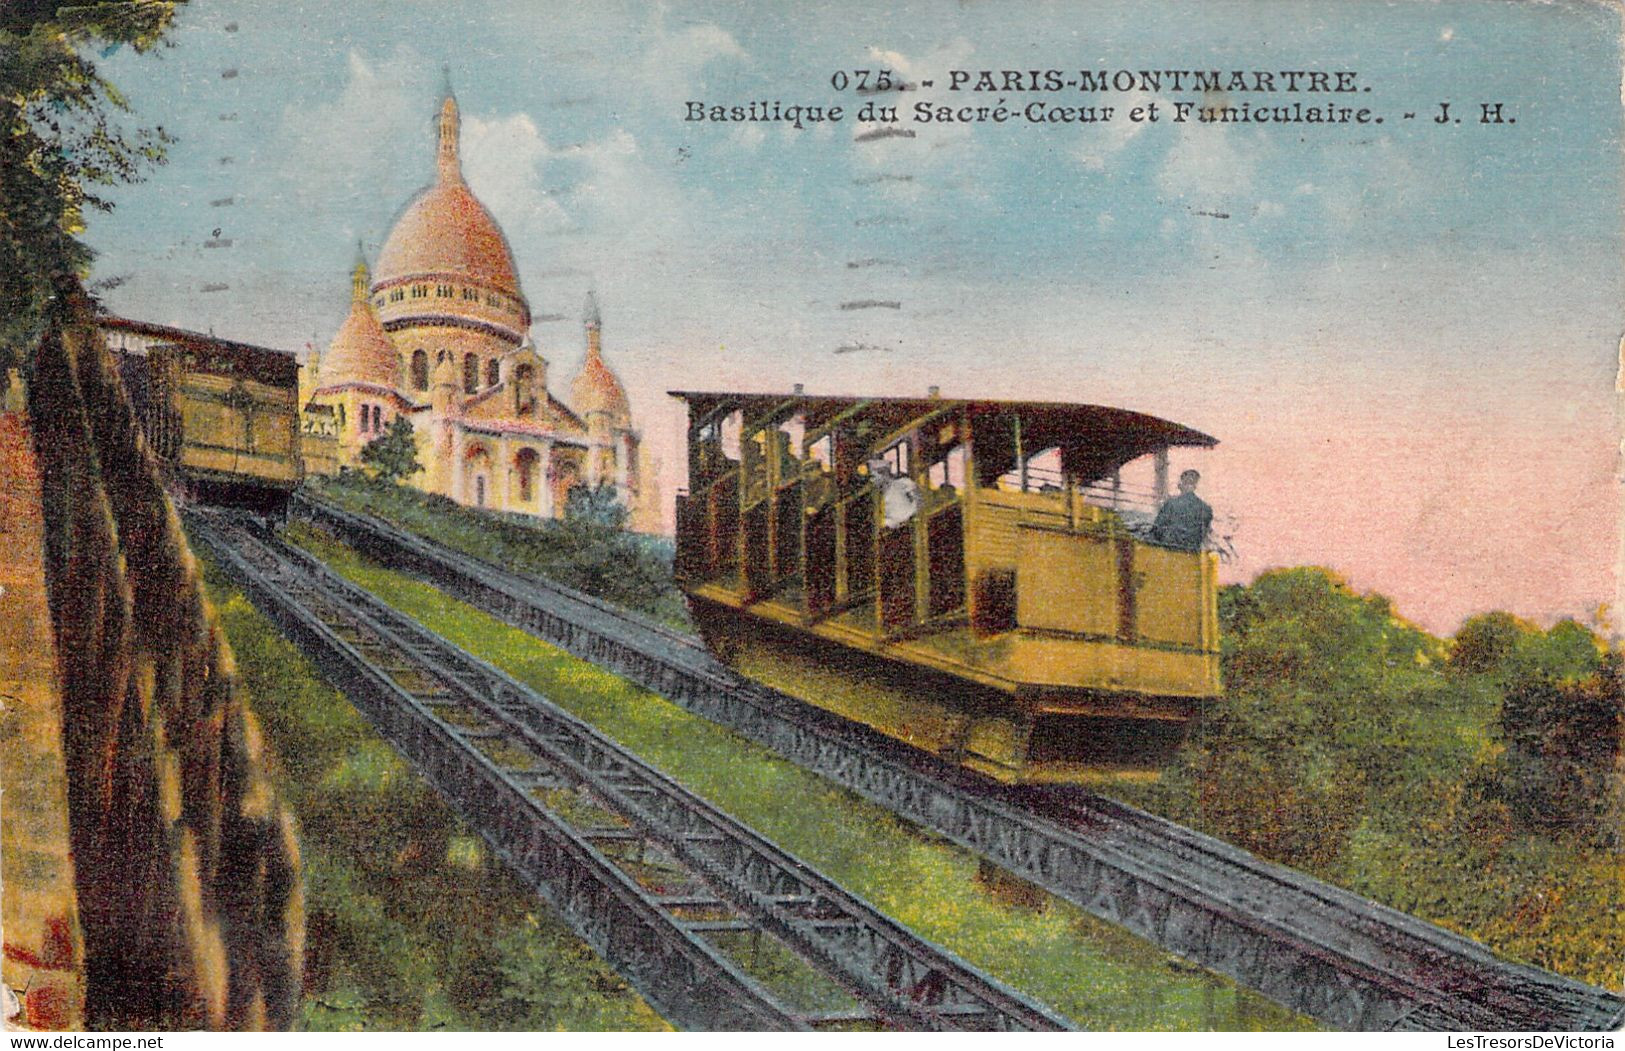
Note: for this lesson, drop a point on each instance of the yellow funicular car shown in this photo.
(972, 577)
(221, 417)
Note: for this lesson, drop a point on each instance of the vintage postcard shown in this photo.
(1033, 516)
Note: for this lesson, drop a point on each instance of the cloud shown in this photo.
(328, 151)
(930, 145)
(1205, 170)
(502, 160)
(673, 63)
(1106, 142)
(748, 136)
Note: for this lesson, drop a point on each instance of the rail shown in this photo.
(1347, 961)
(709, 875)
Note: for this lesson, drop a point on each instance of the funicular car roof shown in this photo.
(1043, 423)
(277, 368)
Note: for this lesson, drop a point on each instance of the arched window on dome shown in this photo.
(420, 370)
(471, 373)
(493, 372)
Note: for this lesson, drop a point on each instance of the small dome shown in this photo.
(595, 389)
(361, 351)
(446, 230)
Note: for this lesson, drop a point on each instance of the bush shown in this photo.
(1563, 736)
(393, 455)
(1484, 642)
(1314, 676)
(589, 549)
(1258, 775)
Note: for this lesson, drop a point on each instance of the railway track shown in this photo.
(1345, 960)
(659, 882)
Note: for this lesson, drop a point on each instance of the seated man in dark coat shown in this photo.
(1183, 521)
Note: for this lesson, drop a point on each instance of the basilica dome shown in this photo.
(446, 231)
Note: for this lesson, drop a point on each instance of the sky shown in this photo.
(1405, 335)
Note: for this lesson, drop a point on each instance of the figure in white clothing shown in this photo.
(899, 496)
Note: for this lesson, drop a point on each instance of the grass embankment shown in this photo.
(1095, 974)
(629, 569)
(410, 923)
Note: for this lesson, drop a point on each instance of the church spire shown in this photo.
(359, 276)
(450, 123)
(595, 393)
(594, 324)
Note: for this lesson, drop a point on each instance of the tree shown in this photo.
(393, 455)
(603, 556)
(1562, 722)
(1313, 674)
(598, 505)
(1484, 642)
(60, 143)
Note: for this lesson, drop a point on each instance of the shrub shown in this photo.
(393, 455)
(1484, 642)
(1563, 736)
(1314, 675)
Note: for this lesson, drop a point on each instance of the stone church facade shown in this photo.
(437, 333)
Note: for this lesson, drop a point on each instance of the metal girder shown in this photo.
(682, 977)
(1350, 962)
(906, 981)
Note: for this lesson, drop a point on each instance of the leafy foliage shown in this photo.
(393, 455)
(589, 549)
(60, 143)
(1282, 765)
(1563, 725)
(605, 558)
(1475, 784)
(1484, 642)
(595, 507)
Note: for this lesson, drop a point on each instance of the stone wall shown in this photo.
(185, 861)
(43, 955)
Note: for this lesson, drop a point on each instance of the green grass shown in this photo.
(629, 569)
(1095, 974)
(411, 924)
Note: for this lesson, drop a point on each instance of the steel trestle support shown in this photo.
(903, 981)
(1345, 960)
